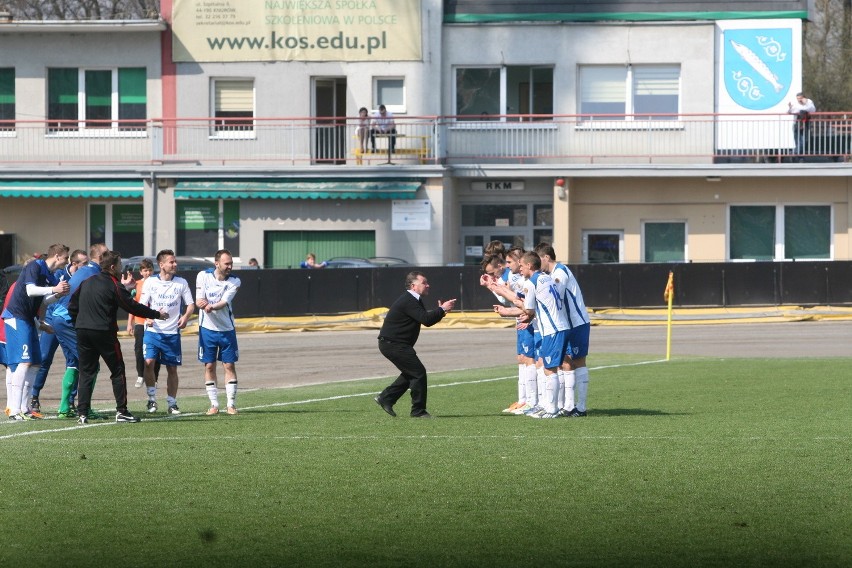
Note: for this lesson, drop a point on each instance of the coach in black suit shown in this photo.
(396, 342)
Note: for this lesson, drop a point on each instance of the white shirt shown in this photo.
(208, 287)
(567, 284)
(542, 296)
(166, 295)
(383, 123)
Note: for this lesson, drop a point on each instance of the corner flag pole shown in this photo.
(668, 296)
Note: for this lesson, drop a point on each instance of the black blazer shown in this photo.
(402, 322)
(95, 304)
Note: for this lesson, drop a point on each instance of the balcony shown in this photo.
(509, 139)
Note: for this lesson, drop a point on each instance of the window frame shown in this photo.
(5, 128)
(504, 95)
(662, 120)
(394, 108)
(779, 235)
(603, 232)
(237, 131)
(114, 126)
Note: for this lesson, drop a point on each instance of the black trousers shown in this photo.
(391, 134)
(93, 345)
(412, 375)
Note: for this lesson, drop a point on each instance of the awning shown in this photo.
(297, 189)
(72, 188)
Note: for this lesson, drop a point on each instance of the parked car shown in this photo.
(388, 261)
(348, 262)
(12, 272)
(185, 264)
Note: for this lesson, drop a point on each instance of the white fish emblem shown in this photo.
(758, 65)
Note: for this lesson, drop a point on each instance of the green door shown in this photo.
(287, 249)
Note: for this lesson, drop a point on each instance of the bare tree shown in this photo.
(827, 57)
(82, 9)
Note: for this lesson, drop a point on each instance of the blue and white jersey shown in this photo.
(168, 296)
(84, 272)
(542, 296)
(568, 285)
(22, 306)
(208, 287)
(63, 276)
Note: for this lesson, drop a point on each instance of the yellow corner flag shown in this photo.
(668, 296)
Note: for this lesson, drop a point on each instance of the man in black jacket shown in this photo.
(93, 309)
(396, 342)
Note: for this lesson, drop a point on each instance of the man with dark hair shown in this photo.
(397, 337)
(35, 284)
(215, 289)
(802, 108)
(165, 292)
(93, 309)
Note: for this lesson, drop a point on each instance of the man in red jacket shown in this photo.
(93, 308)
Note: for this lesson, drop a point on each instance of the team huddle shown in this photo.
(81, 301)
(552, 327)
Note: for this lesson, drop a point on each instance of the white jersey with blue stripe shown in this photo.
(208, 287)
(570, 288)
(543, 296)
(166, 295)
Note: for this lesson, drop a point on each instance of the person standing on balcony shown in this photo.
(802, 108)
(363, 128)
(383, 125)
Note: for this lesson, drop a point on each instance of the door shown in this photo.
(329, 103)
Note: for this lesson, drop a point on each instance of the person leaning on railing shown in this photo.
(802, 108)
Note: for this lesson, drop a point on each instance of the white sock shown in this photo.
(8, 386)
(522, 382)
(171, 401)
(582, 387)
(532, 388)
(551, 392)
(570, 382)
(212, 394)
(529, 377)
(540, 383)
(29, 380)
(14, 401)
(152, 393)
(560, 397)
(231, 391)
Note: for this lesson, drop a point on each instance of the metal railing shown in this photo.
(602, 139)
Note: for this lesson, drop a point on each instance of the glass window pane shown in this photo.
(543, 215)
(98, 99)
(665, 242)
(132, 97)
(234, 99)
(752, 232)
(97, 224)
(477, 92)
(62, 93)
(542, 94)
(7, 96)
(127, 229)
(494, 215)
(656, 89)
(231, 222)
(390, 92)
(197, 227)
(603, 248)
(807, 231)
(603, 91)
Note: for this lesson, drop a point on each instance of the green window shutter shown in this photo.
(7, 94)
(752, 232)
(132, 97)
(807, 231)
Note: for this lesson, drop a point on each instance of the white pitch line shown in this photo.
(290, 403)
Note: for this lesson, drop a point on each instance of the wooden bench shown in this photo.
(418, 147)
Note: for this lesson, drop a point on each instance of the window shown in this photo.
(483, 93)
(603, 246)
(649, 90)
(389, 92)
(665, 241)
(514, 224)
(770, 232)
(7, 98)
(207, 225)
(233, 107)
(97, 98)
(118, 225)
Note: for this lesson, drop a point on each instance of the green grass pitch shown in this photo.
(692, 462)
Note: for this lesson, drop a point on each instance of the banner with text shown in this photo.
(296, 30)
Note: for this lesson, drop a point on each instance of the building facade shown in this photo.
(653, 133)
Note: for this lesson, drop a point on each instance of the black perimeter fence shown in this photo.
(295, 292)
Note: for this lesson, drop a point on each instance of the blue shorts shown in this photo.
(2, 353)
(537, 342)
(578, 341)
(162, 347)
(553, 349)
(217, 346)
(22, 344)
(67, 336)
(526, 342)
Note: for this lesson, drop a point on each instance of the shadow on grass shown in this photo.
(596, 413)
